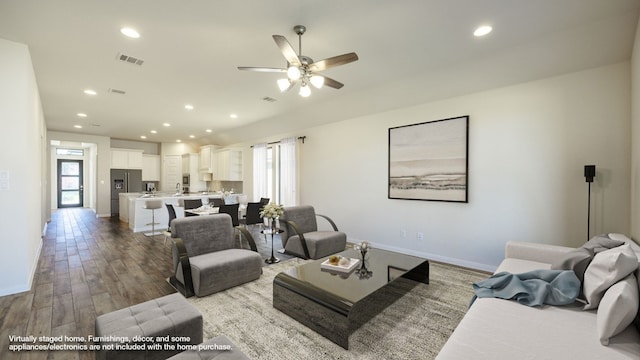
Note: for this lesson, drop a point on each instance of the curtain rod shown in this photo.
(278, 142)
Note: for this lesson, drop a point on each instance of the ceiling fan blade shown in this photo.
(287, 50)
(262, 69)
(333, 61)
(332, 83)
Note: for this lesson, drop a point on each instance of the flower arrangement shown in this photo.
(363, 246)
(272, 211)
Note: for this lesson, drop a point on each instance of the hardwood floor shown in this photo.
(88, 266)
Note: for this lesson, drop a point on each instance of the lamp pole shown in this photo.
(589, 174)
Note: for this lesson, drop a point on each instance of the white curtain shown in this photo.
(260, 171)
(289, 171)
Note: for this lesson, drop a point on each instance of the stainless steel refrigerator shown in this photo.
(123, 181)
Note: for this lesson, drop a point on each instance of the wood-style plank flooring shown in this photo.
(88, 266)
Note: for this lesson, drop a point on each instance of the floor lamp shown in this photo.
(589, 174)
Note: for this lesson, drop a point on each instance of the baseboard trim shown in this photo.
(431, 256)
(32, 274)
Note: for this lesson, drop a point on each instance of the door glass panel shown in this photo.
(70, 198)
(70, 168)
(70, 183)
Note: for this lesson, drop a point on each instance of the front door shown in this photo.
(70, 186)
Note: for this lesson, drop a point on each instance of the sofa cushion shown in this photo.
(607, 268)
(618, 308)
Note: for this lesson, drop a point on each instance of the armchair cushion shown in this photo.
(319, 243)
(216, 271)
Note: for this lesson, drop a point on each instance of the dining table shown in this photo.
(203, 210)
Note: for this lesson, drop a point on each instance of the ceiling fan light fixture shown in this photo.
(284, 84)
(317, 81)
(293, 73)
(305, 90)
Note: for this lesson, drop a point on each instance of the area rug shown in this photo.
(416, 326)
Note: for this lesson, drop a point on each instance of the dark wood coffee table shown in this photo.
(336, 304)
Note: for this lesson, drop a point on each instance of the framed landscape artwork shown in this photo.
(429, 160)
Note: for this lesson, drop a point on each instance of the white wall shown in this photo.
(21, 159)
(635, 131)
(528, 146)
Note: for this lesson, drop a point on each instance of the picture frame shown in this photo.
(430, 160)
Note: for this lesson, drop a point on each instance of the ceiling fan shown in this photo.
(302, 69)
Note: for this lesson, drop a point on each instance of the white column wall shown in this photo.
(22, 201)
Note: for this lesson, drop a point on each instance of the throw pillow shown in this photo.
(618, 308)
(607, 268)
(578, 259)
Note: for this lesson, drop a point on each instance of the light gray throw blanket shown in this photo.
(533, 288)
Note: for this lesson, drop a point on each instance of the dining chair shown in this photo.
(216, 202)
(191, 204)
(232, 210)
(253, 214)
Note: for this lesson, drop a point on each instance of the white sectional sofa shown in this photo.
(504, 329)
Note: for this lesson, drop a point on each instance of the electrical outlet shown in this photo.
(420, 236)
(403, 233)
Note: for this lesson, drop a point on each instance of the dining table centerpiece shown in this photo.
(271, 214)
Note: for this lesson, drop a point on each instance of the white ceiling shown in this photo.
(410, 52)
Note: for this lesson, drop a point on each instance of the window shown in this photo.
(73, 152)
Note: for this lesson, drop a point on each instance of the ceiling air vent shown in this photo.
(130, 59)
(269, 99)
(116, 91)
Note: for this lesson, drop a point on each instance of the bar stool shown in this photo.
(153, 205)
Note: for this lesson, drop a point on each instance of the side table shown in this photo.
(265, 232)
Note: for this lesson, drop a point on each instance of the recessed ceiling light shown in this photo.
(142, 137)
(192, 136)
(166, 124)
(129, 32)
(82, 115)
(233, 116)
(482, 30)
(153, 131)
(90, 92)
(77, 126)
(178, 140)
(209, 130)
(188, 107)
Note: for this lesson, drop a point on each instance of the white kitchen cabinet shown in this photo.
(126, 159)
(207, 161)
(228, 165)
(191, 167)
(150, 167)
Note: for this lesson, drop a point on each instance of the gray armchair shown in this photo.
(302, 238)
(205, 259)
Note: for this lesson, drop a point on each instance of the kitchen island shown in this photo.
(139, 218)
